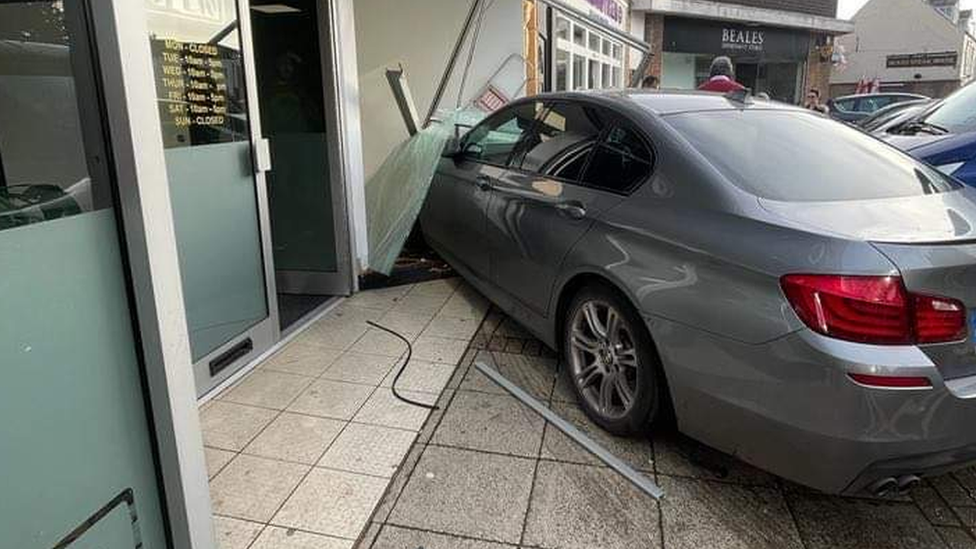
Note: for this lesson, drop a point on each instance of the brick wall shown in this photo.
(654, 34)
(826, 8)
(818, 72)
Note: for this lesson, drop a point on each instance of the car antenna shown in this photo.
(743, 96)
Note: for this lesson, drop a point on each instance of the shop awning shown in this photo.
(701, 9)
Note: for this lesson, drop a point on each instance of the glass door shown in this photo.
(77, 465)
(293, 52)
(214, 163)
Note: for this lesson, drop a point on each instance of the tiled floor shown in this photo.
(487, 473)
(312, 448)
(302, 449)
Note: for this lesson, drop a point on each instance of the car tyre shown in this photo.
(611, 363)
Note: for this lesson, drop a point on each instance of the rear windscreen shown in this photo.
(797, 157)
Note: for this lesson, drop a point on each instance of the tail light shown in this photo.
(873, 309)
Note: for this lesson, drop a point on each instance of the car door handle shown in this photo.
(484, 183)
(572, 209)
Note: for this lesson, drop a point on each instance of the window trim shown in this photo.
(615, 120)
(497, 114)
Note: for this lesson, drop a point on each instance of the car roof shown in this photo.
(882, 94)
(664, 102)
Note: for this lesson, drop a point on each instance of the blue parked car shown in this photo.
(943, 135)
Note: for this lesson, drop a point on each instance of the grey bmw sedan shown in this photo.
(784, 288)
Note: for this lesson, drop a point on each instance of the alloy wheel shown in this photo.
(603, 359)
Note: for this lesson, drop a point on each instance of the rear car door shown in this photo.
(566, 173)
(453, 217)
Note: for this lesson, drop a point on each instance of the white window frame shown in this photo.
(583, 51)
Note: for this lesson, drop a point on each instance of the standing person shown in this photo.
(813, 102)
(650, 82)
(721, 77)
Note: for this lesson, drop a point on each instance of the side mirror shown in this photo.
(452, 149)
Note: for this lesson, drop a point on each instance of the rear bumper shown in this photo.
(787, 406)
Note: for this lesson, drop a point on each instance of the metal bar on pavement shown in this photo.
(638, 479)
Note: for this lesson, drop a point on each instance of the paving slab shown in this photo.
(635, 451)
(700, 513)
(332, 503)
(229, 426)
(494, 423)
(833, 522)
(534, 375)
(234, 533)
(680, 456)
(253, 488)
(466, 493)
(295, 437)
(274, 537)
(583, 507)
(394, 537)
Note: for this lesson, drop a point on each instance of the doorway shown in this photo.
(293, 51)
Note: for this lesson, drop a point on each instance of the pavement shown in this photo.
(485, 472)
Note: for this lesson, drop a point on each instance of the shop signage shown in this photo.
(610, 8)
(201, 10)
(192, 90)
(940, 59)
(738, 41)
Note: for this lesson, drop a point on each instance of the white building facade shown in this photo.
(909, 46)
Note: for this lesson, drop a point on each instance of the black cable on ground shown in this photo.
(402, 368)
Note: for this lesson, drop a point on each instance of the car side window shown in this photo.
(562, 140)
(846, 105)
(495, 140)
(621, 162)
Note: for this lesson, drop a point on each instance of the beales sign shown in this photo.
(717, 38)
(743, 39)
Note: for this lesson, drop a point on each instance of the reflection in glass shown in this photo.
(43, 163)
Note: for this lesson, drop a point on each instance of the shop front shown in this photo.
(183, 189)
(584, 56)
(767, 59)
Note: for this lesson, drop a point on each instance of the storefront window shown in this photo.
(562, 28)
(766, 59)
(562, 70)
(590, 60)
(579, 72)
(75, 444)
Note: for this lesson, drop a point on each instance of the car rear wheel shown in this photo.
(611, 362)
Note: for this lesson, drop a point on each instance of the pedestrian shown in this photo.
(650, 82)
(813, 102)
(721, 77)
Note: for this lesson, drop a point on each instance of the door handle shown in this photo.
(262, 155)
(484, 183)
(572, 209)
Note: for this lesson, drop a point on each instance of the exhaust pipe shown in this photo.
(907, 482)
(883, 487)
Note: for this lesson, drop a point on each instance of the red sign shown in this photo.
(491, 100)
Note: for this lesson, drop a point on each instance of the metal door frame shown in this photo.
(341, 282)
(124, 59)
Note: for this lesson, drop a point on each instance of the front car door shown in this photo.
(581, 161)
(453, 217)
